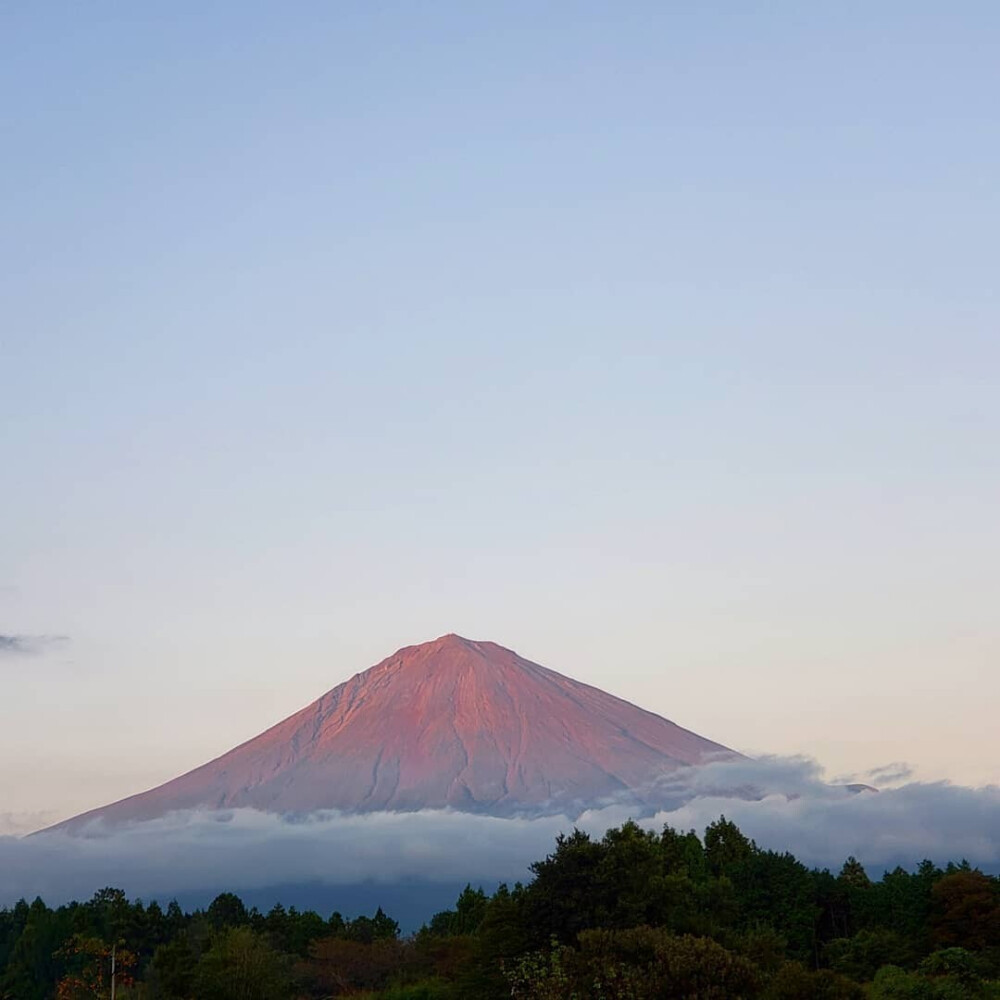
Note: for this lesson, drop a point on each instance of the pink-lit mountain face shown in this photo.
(449, 723)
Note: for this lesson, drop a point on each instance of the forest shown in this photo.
(633, 915)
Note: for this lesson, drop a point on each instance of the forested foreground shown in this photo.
(633, 915)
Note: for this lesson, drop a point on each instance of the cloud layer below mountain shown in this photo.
(784, 804)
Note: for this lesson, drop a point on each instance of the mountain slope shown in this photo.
(449, 723)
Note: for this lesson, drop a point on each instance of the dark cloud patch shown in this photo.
(792, 808)
(28, 645)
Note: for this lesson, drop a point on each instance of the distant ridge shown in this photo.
(450, 723)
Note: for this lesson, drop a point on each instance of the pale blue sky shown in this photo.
(659, 342)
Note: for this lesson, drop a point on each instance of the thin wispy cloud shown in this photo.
(894, 773)
(29, 645)
(890, 774)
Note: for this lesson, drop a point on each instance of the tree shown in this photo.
(646, 962)
(541, 975)
(683, 854)
(861, 956)
(91, 961)
(853, 874)
(725, 847)
(901, 900)
(957, 964)
(965, 911)
(172, 967)
(470, 909)
(339, 967)
(35, 964)
(241, 965)
(778, 891)
(227, 910)
(628, 878)
(503, 935)
(109, 915)
(560, 900)
(365, 930)
(795, 982)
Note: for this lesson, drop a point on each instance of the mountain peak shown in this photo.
(452, 641)
(449, 653)
(451, 723)
(449, 641)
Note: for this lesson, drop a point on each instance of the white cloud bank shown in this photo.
(792, 809)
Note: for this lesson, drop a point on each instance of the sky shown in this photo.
(657, 341)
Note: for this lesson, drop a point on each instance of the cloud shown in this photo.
(886, 774)
(890, 774)
(792, 809)
(26, 645)
(247, 849)
(18, 823)
(822, 824)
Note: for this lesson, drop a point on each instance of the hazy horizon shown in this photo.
(656, 343)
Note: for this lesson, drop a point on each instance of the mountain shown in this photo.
(449, 723)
